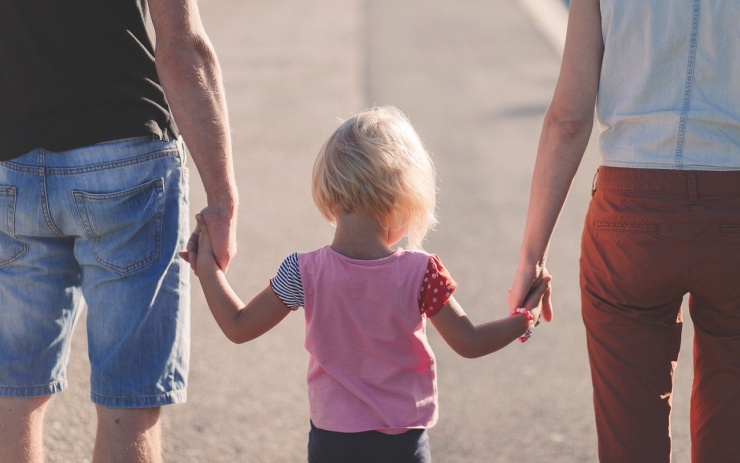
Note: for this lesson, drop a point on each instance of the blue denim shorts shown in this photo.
(98, 226)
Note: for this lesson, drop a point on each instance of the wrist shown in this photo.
(529, 259)
(530, 322)
(227, 207)
(224, 199)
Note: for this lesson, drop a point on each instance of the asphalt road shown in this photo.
(475, 78)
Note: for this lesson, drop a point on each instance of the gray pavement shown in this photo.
(475, 79)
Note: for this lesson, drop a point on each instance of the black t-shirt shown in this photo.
(75, 73)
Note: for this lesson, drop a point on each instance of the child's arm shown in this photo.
(472, 341)
(239, 323)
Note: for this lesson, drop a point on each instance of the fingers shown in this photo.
(547, 312)
(537, 293)
(191, 250)
(222, 236)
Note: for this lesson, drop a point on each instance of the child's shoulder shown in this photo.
(417, 257)
(405, 257)
(318, 251)
(432, 262)
(417, 254)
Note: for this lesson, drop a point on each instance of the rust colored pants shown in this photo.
(652, 236)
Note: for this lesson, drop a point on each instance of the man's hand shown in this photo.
(206, 258)
(222, 238)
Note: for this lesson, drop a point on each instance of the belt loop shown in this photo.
(691, 178)
(165, 136)
(183, 150)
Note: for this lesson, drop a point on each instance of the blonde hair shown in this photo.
(375, 163)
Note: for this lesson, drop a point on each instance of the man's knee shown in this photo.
(21, 427)
(142, 419)
(25, 409)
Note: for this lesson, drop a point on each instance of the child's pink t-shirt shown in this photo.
(370, 366)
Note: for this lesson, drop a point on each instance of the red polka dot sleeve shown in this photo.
(437, 287)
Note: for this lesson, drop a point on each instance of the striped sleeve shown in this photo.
(287, 283)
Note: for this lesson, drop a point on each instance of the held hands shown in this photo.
(532, 293)
(222, 238)
(533, 304)
(200, 251)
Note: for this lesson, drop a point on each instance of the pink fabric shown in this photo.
(370, 366)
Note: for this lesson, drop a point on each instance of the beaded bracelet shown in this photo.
(530, 322)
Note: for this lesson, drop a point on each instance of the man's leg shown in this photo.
(128, 435)
(132, 203)
(21, 429)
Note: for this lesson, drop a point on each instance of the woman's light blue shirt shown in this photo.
(669, 94)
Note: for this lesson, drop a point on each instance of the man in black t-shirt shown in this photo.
(93, 201)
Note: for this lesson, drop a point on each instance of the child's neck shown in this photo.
(361, 237)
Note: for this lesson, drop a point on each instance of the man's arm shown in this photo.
(191, 77)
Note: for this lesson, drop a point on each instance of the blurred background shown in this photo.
(475, 78)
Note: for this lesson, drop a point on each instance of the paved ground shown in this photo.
(475, 78)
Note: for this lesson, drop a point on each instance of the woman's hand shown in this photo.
(532, 290)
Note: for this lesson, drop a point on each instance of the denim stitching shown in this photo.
(82, 211)
(688, 87)
(9, 223)
(98, 167)
(112, 165)
(10, 192)
(44, 195)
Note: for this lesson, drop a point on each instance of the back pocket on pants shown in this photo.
(125, 226)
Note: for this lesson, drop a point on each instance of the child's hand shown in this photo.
(190, 254)
(205, 259)
(525, 283)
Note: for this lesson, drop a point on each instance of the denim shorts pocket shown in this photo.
(125, 226)
(10, 248)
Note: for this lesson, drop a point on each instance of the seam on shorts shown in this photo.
(170, 152)
(11, 192)
(52, 387)
(166, 398)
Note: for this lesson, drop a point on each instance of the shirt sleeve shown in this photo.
(437, 287)
(287, 283)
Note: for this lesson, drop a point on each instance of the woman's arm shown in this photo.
(565, 133)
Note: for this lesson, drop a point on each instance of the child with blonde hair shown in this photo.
(371, 373)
